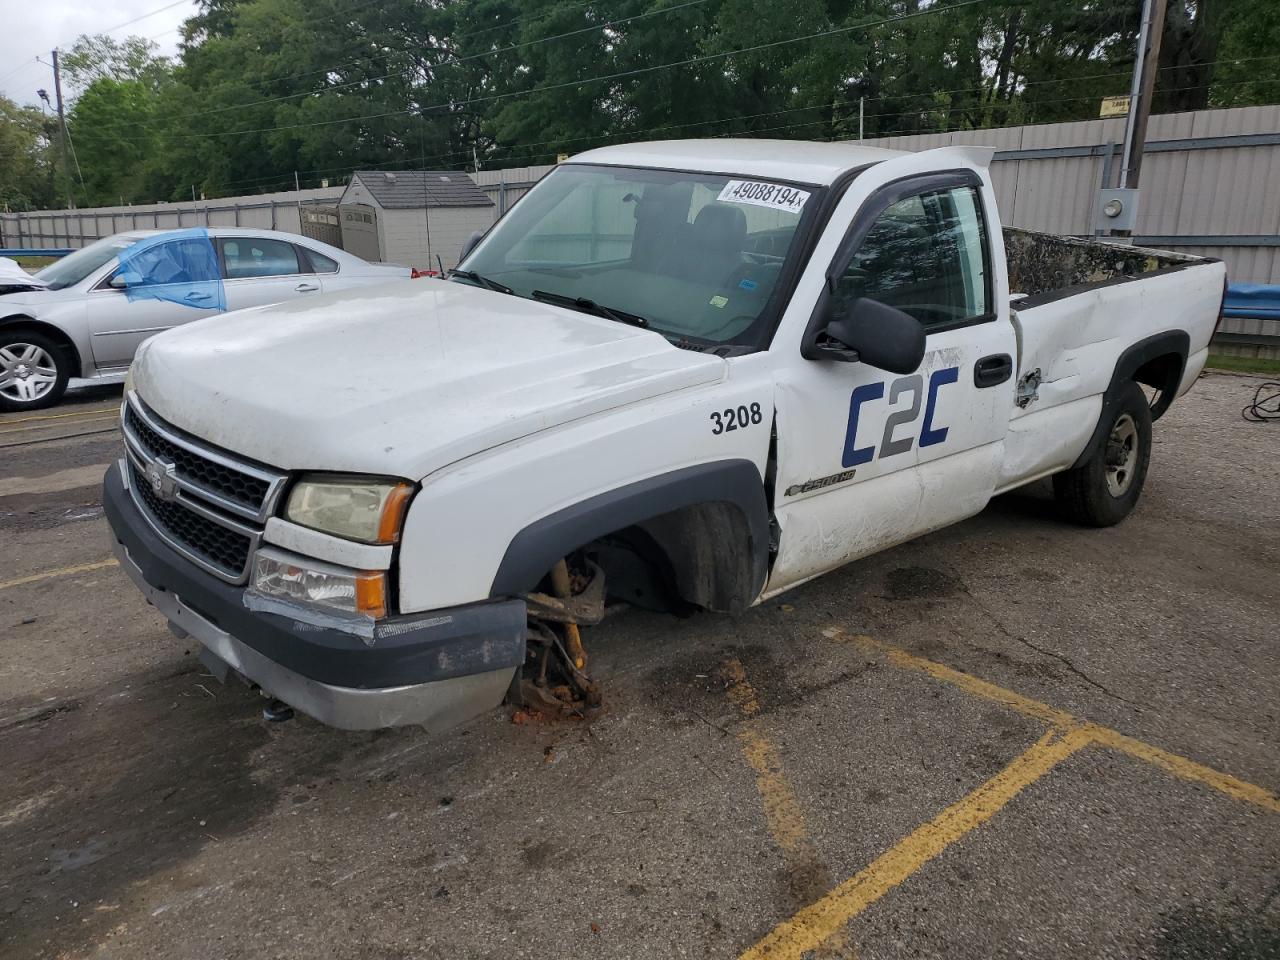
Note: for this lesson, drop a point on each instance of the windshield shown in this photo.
(74, 267)
(697, 256)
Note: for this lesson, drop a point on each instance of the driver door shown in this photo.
(868, 458)
(171, 286)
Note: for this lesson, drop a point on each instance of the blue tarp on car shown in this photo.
(179, 266)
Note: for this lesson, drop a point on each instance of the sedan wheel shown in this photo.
(31, 372)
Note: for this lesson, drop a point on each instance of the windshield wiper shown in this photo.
(483, 281)
(590, 306)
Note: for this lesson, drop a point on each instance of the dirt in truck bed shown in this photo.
(1040, 263)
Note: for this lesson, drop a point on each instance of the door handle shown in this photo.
(193, 295)
(305, 287)
(993, 370)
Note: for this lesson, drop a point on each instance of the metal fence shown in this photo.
(76, 228)
(1210, 186)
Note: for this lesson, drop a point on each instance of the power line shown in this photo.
(346, 12)
(25, 65)
(1004, 105)
(453, 61)
(147, 16)
(639, 71)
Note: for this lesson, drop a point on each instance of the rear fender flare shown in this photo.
(1171, 342)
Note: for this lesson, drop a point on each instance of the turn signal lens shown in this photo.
(393, 509)
(371, 594)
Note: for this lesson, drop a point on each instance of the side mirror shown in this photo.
(880, 335)
(122, 281)
(473, 241)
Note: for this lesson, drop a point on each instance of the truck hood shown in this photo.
(401, 379)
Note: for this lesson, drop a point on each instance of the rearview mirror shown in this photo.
(122, 281)
(473, 241)
(881, 335)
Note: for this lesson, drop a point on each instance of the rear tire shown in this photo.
(34, 370)
(1104, 489)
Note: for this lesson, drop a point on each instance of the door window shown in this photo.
(927, 255)
(320, 263)
(258, 257)
(180, 269)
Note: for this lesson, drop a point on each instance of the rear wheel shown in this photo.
(33, 370)
(1105, 488)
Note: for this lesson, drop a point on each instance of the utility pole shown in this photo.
(1144, 82)
(862, 104)
(62, 128)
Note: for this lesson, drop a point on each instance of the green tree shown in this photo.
(112, 127)
(264, 88)
(26, 170)
(117, 87)
(100, 57)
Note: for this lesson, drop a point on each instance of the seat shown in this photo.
(716, 243)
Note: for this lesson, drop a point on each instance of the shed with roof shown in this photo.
(418, 218)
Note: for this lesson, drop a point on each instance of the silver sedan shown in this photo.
(86, 314)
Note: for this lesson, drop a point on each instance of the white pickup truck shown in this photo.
(701, 372)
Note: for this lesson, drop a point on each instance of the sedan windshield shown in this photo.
(74, 267)
(696, 257)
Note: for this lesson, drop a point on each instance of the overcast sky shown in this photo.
(34, 27)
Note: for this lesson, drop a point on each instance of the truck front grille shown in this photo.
(225, 549)
(218, 478)
(207, 504)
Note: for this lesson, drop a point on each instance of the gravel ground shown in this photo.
(146, 811)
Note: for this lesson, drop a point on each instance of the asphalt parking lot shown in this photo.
(1013, 738)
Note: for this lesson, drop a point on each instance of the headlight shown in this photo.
(128, 381)
(367, 510)
(282, 576)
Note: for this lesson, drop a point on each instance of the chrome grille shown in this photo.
(207, 504)
(217, 478)
(225, 549)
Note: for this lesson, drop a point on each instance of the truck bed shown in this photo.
(1045, 267)
(1078, 305)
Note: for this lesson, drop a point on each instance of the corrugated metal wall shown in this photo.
(76, 228)
(505, 187)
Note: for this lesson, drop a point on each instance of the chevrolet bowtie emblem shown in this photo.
(162, 476)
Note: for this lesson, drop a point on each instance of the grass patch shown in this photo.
(35, 263)
(1218, 361)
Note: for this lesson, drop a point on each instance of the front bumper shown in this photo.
(434, 669)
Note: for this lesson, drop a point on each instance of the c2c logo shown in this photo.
(889, 445)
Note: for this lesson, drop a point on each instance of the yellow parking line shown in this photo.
(1171, 762)
(782, 810)
(60, 572)
(64, 416)
(813, 925)
(1187, 769)
(49, 426)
